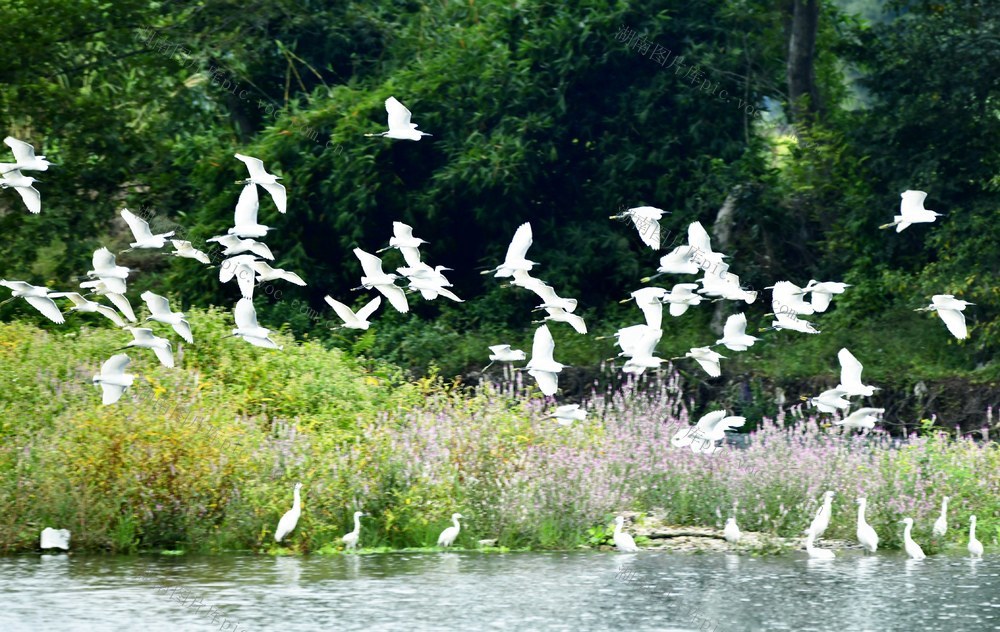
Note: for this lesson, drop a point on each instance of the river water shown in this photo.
(513, 591)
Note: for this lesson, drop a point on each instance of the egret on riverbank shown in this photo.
(866, 534)
(814, 553)
(732, 532)
(291, 517)
(54, 539)
(351, 539)
(822, 519)
(941, 524)
(447, 537)
(912, 548)
(975, 546)
(623, 541)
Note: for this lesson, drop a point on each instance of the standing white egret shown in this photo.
(245, 216)
(821, 293)
(941, 524)
(159, 309)
(354, 320)
(975, 546)
(374, 277)
(247, 327)
(731, 531)
(24, 157)
(542, 366)
(829, 401)
(37, 296)
(291, 517)
(82, 305)
(113, 379)
(912, 211)
(351, 539)
(265, 273)
(682, 296)
(647, 222)
(866, 534)
(850, 375)
(21, 183)
(569, 413)
(862, 418)
(950, 310)
(516, 253)
(234, 246)
(623, 541)
(186, 250)
(912, 548)
(503, 353)
(259, 175)
(400, 126)
(447, 537)
(734, 334)
(707, 359)
(54, 539)
(814, 553)
(144, 237)
(145, 339)
(822, 519)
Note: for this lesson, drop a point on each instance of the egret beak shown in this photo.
(383, 249)
(486, 367)
(886, 226)
(626, 300)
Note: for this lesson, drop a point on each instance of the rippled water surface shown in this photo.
(523, 591)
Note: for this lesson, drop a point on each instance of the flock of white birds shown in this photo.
(247, 262)
(866, 534)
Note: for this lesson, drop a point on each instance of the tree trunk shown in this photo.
(803, 96)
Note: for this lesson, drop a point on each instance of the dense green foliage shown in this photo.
(538, 113)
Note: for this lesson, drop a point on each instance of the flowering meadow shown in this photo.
(204, 457)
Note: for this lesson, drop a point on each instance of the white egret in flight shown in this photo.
(245, 216)
(542, 366)
(101, 288)
(234, 246)
(144, 237)
(400, 126)
(24, 157)
(145, 339)
(82, 305)
(265, 273)
(912, 211)
(734, 334)
(21, 183)
(247, 327)
(682, 296)
(650, 301)
(113, 378)
(385, 283)
(403, 240)
(447, 537)
(862, 418)
(829, 401)
(36, 296)
(291, 517)
(516, 252)
(159, 309)
(186, 250)
(821, 293)
(352, 319)
(950, 310)
(709, 429)
(850, 376)
(707, 359)
(260, 176)
(239, 267)
(503, 353)
(569, 413)
(647, 222)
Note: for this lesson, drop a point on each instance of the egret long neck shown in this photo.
(455, 522)
(944, 508)
(298, 501)
(861, 513)
(972, 530)
(357, 524)
(906, 533)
